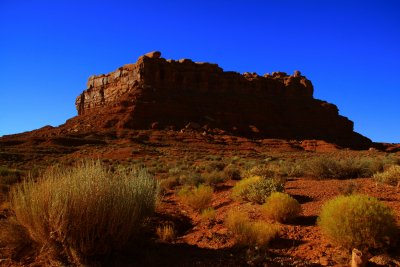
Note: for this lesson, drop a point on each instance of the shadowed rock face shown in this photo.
(159, 93)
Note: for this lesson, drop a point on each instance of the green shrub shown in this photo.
(257, 189)
(249, 233)
(390, 176)
(281, 207)
(199, 198)
(86, 210)
(358, 221)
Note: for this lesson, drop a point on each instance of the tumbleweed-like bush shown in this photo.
(281, 207)
(358, 221)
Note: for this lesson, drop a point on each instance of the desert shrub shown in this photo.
(390, 176)
(281, 207)
(169, 183)
(166, 232)
(191, 179)
(231, 172)
(214, 177)
(86, 210)
(215, 166)
(346, 167)
(208, 213)
(249, 233)
(358, 221)
(257, 189)
(349, 188)
(199, 198)
(291, 168)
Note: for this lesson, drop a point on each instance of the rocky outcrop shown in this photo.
(159, 93)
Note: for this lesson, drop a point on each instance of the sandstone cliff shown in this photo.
(159, 93)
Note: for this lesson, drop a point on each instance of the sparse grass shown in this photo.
(249, 233)
(257, 189)
(281, 207)
(208, 214)
(199, 198)
(358, 221)
(390, 176)
(166, 232)
(86, 210)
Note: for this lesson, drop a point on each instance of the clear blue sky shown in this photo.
(349, 49)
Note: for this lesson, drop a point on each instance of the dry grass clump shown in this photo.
(390, 176)
(199, 198)
(281, 207)
(166, 232)
(86, 210)
(257, 189)
(249, 233)
(358, 221)
(208, 214)
(214, 177)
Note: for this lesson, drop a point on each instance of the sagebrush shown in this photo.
(358, 221)
(249, 233)
(281, 207)
(87, 210)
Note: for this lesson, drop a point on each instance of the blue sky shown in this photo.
(350, 50)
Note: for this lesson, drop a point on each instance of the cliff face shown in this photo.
(160, 93)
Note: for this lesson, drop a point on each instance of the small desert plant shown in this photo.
(169, 183)
(358, 221)
(199, 198)
(86, 210)
(214, 177)
(256, 189)
(281, 207)
(193, 179)
(349, 188)
(390, 176)
(166, 232)
(208, 214)
(249, 233)
(232, 173)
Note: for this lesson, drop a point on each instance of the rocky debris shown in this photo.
(175, 93)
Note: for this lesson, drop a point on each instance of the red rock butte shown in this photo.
(171, 94)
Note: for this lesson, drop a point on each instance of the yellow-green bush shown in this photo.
(281, 207)
(390, 176)
(249, 233)
(199, 198)
(256, 188)
(358, 221)
(208, 214)
(86, 210)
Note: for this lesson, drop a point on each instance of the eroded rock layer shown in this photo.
(159, 93)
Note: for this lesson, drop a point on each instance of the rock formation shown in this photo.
(159, 93)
